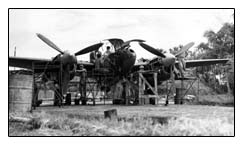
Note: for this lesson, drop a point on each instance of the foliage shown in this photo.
(175, 49)
(220, 44)
(222, 100)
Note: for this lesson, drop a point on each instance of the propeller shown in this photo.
(49, 42)
(89, 49)
(184, 49)
(152, 50)
(179, 55)
(65, 58)
(169, 59)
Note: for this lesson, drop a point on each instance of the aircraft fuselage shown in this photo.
(122, 61)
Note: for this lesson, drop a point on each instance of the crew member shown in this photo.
(92, 57)
(182, 63)
(58, 96)
(82, 84)
(36, 92)
(108, 51)
(98, 61)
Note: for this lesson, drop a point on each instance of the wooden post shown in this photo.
(228, 84)
(93, 94)
(198, 89)
(33, 102)
(140, 85)
(156, 86)
(155, 82)
(104, 96)
(111, 114)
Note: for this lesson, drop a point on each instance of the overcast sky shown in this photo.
(76, 29)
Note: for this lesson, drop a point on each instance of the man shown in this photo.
(108, 51)
(82, 84)
(182, 64)
(36, 92)
(58, 98)
(92, 57)
(98, 61)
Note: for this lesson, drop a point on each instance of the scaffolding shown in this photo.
(40, 70)
(178, 91)
(98, 80)
(143, 83)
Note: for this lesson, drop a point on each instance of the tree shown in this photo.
(220, 44)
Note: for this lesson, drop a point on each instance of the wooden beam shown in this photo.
(146, 82)
(140, 86)
(155, 82)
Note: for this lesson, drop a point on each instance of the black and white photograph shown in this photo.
(121, 72)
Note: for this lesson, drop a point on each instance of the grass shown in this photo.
(206, 95)
(174, 120)
(222, 100)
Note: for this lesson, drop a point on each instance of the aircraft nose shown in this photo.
(132, 52)
(74, 59)
(172, 60)
(168, 60)
(69, 59)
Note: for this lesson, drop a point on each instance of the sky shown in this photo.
(75, 29)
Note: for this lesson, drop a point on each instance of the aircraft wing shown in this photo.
(140, 63)
(189, 63)
(25, 62)
(137, 65)
(203, 62)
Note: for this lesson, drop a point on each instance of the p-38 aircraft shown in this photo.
(121, 62)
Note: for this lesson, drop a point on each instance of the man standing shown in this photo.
(82, 84)
(58, 98)
(182, 64)
(98, 62)
(108, 51)
(92, 57)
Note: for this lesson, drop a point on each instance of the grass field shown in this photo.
(173, 120)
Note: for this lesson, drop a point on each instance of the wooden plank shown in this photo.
(140, 75)
(140, 85)
(155, 82)
(111, 114)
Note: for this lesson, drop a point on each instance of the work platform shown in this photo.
(143, 84)
(41, 75)
(94, 87)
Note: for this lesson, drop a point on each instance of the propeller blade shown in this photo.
(134, 40)
(89, 49)
(184, 48)
(151, 49)
(129, 41)
(48, 42)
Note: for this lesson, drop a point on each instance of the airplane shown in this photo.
(121, 62)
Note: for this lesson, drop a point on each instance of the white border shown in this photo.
(124, 3)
